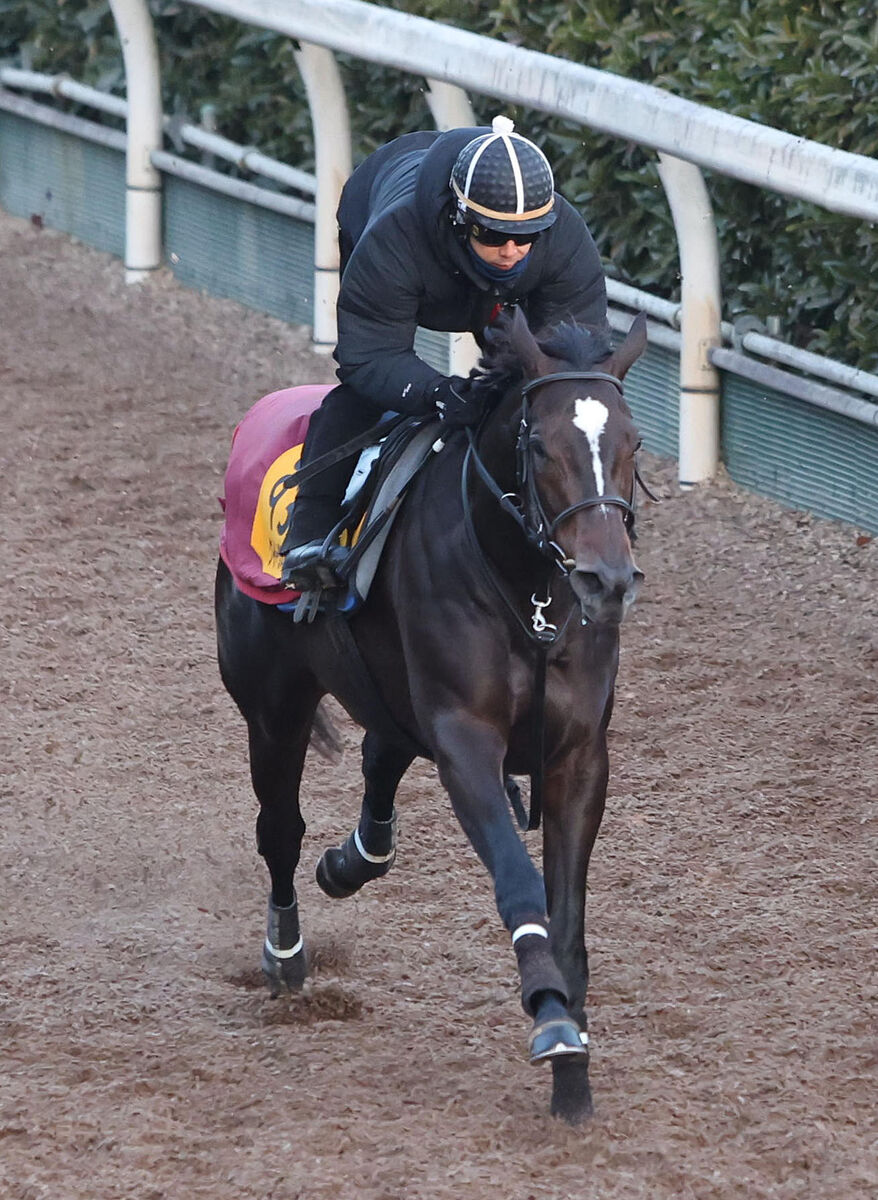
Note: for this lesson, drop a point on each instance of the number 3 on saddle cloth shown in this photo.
(266, 447)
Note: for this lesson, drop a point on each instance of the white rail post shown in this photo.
(143, 195)
(700, 314)
(451, 109)
(332, 152)
(449, 105)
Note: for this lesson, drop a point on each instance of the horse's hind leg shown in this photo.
(370, 850)
(261, 668)
(277, 754)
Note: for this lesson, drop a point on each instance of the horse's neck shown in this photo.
(497, 441)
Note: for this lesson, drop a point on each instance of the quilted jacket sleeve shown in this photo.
(377, 319)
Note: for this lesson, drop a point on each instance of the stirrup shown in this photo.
(313, 566)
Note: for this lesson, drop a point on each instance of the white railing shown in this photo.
(685, 135)
(252, 160)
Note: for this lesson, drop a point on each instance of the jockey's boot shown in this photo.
(308, 562)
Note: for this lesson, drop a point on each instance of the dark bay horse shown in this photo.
(491, 639)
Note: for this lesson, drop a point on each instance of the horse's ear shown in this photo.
(631, 349)
(533, 361)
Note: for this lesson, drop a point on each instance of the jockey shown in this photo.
(437, 230)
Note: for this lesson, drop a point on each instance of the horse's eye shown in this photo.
(639, 445)
(538, 449)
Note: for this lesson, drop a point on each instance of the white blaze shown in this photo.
(591, 417)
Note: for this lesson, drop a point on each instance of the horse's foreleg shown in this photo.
(573, 813)
(471, 769)
(574, 806)
(370, 851)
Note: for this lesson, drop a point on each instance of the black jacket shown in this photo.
(404, 264)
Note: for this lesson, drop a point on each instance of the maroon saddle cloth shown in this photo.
(266, 446)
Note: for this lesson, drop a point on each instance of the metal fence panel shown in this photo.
(258, 257)
(434, 348)
(806, 457)
(69, 183)
(652, 389)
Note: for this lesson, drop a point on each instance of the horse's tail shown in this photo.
(325, 737)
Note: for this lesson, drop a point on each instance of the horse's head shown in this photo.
(576, 442)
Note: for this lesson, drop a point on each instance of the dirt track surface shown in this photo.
(732, 893)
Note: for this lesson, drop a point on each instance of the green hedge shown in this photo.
(808, 67)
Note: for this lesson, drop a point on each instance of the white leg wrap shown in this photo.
(372, 858)
(284, 953)
(524, 930)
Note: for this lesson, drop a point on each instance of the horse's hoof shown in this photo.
(284, 974)
(342, 870)
(284, 962)
(557, 1038)
(329, 877)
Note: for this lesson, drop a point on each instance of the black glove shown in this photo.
(461, 402)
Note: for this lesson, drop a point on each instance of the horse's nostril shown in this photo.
(586, 583)
(605, 586)
(605, 582)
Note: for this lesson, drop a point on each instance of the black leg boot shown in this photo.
(309, 562)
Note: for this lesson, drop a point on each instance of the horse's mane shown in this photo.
(571, 346)
(579, 346)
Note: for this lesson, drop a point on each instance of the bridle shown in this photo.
(525, 505)
(544, 528)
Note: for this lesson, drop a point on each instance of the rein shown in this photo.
(370, 437)
(539, 531)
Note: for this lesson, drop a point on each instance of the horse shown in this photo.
(489, 643)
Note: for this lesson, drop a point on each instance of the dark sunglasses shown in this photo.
(494, 237)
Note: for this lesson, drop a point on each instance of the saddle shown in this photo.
(260, 491)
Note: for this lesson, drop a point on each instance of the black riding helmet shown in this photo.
(502, 181)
